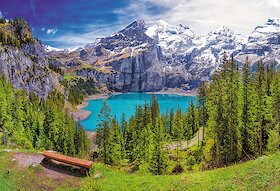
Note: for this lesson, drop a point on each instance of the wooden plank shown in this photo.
(66, 159)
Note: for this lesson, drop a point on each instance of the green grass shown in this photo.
(29, 178)
(259, 174)
(68, 76)
(6, 183)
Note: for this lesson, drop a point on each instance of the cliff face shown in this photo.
(23, 60)
(133, 73)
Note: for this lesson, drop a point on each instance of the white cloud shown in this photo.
(70, 40)
(51, 31)
(43, 29)
(202, 16)
(272, 3)
(1, 15)
(205, 15)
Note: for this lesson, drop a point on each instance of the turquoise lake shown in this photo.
(126, 103)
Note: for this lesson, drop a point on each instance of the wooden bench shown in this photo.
(83, 164)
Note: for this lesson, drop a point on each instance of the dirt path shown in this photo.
(50, 170)
(186, 144)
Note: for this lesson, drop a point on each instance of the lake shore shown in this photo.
(176, 91)
(81, 114)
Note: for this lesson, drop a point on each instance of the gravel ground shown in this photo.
(51, 169)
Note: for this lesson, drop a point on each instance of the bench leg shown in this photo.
(84, 171)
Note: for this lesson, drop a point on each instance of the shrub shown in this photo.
(191, 160)
(178, 169)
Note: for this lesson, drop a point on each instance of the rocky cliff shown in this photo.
(23, 60)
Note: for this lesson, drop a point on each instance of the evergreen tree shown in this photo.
(246, 112)
(201, 106)
(260, 88)
(115, 141)
(155, 110)
(104, 118)
(274, 133)
(158, 164)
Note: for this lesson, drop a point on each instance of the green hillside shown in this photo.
(260, 174)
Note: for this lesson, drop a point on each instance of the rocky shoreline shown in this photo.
(81, 114)
(176, 91)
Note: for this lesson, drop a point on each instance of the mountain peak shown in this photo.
(223, 31)
(273, 21)
(223, 28)
(183, 26)
(271, 26)
(162, 23)
(136, 24)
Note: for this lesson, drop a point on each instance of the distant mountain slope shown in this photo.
(140, 58)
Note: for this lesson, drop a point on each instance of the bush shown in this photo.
(178, 169)
(191, 160)
(2, 20)
(273, 144)
(91, 184)
(208, 150)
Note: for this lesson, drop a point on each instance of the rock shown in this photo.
(26, 66)
(97, 175)
(8, 150)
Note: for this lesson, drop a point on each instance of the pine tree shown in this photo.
(216, 122)
(129, 140)
(147, 134)
(104, 118)
(274, 133)
(192, 120)
(171, 123)
(155, 109)
(158, 164)
(246, 112)
(261, 93)
(123, 128)
(231, 107)
(202, 108)
(115, 141)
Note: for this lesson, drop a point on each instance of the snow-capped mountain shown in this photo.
(49, 48)
(141, 58)
(171, 39)
(263, 43)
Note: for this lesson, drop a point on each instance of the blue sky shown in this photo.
(70, 23)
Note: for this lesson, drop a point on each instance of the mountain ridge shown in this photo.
(141, 58)
(137, 58)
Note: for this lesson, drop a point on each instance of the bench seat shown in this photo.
(68, 160)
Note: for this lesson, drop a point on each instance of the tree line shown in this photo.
(240, 111)
(15, 32)
(30, 122)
